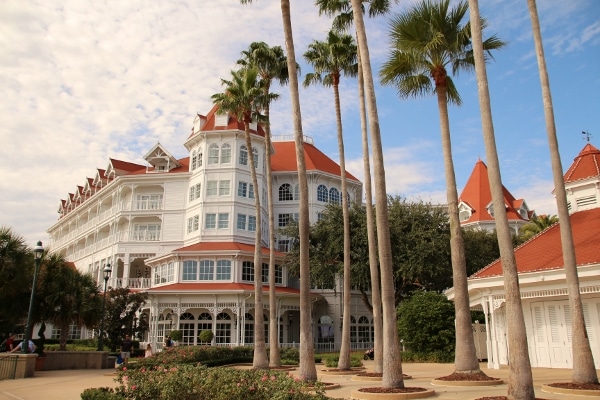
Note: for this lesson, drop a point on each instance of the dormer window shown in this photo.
(221, 119)
(464, 212)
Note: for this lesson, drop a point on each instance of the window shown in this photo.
(146, 232)
(243, 155)
(190, 224)
(223, 328)
(196, 222)
(284, 245)
(211, 221)
(194, 159)
(213, 154)
(192, 194)
(285, 219)
(364, 329)
(199, 160)
(211, 188)
(248, 271)
(226, 154)
(265, 273)
(204, 322)
(285, 192)
(334, 196)
(297, 192)
(198, 188)
(207, 269)
(255, 156)
(251, 191)
(223, 270)
(224, 188)
(249, 329)
(223, 221)
(320, 216)
(242, 189)
(187, 328)
(190, 270)
(149, 201)
(322, 194)
(252, 223)
(278, 274)
(170, 272)
(241, 221)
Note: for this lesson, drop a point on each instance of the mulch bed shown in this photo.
(459, 376)
(576, 386)
(500, 398)
(395, 390)
(377, 375)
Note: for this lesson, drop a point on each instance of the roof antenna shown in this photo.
(587, 135)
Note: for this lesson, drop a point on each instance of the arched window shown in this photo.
(352, 329)
(213, 154)
(223, 328)
(285, 192)
(204, 323)
(322, 194)
(364, 329)
(334, 196)
(226, 153)
(326, 334)
(248, 328)
(187, 325)
(243, 155)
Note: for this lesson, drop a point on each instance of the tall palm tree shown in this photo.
(331, 59)
(427, 40)
(537, 224)
(520, 379)
(244, 97)
(271, 64)
(584, 370)
(307, 369)
(392, 359)
(342, 10)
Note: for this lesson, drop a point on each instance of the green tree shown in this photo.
(122, 306)
(537, 224)
(244, 98)
(520, 378)
(426, 323)
(584, 370)
(271, 65)
(16, 274)
(481, 248)
(426, 40)
(331, 59)
(68, 297)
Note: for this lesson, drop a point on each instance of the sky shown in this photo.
(85, 81)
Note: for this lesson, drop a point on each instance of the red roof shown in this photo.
(217, 287)
(585, 165)
(223, 246)
(125, 165)
(544, 251)
(478, 195)
(284, 159)
(232, 124)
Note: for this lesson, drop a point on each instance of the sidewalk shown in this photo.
(68, 384)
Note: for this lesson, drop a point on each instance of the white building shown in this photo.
(542, 279)
(183, 230)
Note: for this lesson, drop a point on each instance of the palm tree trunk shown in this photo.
(392, 359)
(373, 265)
(260, 360)
(274, 353)
(307, 369)
(465, 359)
(584, 370)
(520, 380)
(344, 360)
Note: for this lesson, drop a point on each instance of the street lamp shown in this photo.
(37, 252)
(107, 270)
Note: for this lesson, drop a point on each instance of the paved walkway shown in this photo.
(68, 385)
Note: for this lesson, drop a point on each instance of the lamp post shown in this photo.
(37, 252)
(107, 270)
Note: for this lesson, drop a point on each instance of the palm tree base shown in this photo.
(379, 393)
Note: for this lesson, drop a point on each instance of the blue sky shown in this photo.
(85, 81)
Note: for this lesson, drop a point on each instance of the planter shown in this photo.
(39, 363)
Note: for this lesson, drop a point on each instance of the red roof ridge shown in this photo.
(585, 165)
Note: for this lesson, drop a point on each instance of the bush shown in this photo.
(176, 335)
(103, 393)
(433, 357)
(426, 323)
(332, 361)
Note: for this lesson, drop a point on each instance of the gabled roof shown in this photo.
(284, 159)
(544, 252)
(586, 165)
(209, 124)
(158, 155)
(478, 195)
(222, 246)
(119, 167)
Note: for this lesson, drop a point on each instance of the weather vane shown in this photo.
(587, 135)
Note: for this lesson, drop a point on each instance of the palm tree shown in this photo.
(271, 64)
(537, 224)
(584, 370)
(427, 39)
(331, 59)
(520, 379)
(244, 97)
(342, 10)
(392, 359)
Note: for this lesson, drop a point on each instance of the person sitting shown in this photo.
(31, 348)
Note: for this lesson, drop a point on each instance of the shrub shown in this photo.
(332, 361)
(426, 323)
(206, 336)
(433, 357)
(176, 335)
(103, 393)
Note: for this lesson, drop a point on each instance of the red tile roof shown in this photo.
(585, 165)
(125, 166)
(223, 246)
(217, 287)
(544, 251)
(284, 159)
(478, 195)
(232, 124)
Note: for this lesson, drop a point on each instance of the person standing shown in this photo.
(168, 343)
(148, 350)
(126, 349)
